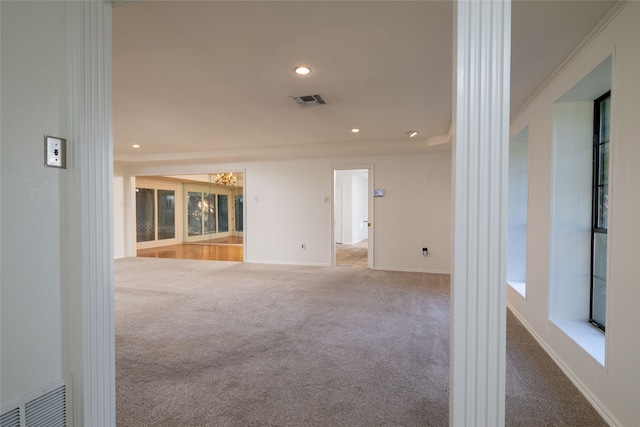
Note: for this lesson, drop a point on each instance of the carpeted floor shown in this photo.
(202, 343)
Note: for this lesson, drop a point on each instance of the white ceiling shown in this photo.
(214, 79)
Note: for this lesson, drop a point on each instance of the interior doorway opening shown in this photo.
(352, 233)
(205, 216)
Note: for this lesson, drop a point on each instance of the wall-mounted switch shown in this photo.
(55, 152)
(425, 251)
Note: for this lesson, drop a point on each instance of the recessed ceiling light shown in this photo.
(355, 130)
(302, 70)
(135, 146)
(412, 133)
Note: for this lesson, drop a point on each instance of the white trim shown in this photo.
(593, 400)
(519, 287)
(292, 263)
(600, 26)
(412, 270)
(90, 193)
(480, 163)
(584, 334)
(371, 208)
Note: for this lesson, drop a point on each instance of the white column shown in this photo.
(480, 167)
(90, 194)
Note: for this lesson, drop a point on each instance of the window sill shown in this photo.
(519, 287)
(587, 336)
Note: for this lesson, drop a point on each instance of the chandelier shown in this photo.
(225, 179)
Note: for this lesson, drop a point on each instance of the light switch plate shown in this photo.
(55, 152)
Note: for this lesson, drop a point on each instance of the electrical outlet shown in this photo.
(303, 246)
(55, 152)
(425, 251)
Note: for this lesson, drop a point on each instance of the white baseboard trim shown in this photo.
(304, 264)
(594, 401)
(412, 270)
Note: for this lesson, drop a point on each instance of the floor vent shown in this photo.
(46, 407)
(307, 100)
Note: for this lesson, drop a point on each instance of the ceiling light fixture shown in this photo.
(355, 130)
(302, 70)
(412, 133)
(135, 146)
(225, 179)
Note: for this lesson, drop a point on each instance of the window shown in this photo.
(145, 215)
(155, 214)
(579, 206)
(600, 209)
(207, 213)
(223, 213)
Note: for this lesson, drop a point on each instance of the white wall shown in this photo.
(285, 208)
(34, 103)
(571, 210)
(615, 387)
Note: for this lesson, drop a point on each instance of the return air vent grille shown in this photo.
(47, 411)
(44, 407)
(11, 418)
(308, 100)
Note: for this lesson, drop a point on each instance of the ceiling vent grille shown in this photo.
(308, 100)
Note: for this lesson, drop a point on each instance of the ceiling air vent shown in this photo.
(306, 100)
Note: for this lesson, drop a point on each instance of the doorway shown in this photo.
(206, 216)
(352, 235)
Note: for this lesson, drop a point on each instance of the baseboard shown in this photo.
(412, 270)
(594, 401)
(319, 264)
(304, 264)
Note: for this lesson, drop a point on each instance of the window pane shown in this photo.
(145, 218)
(599, 300)
(599, 277)
(166, 215)
(603, 207)
(223, 213)
(239, 202)
(603, 164)
(600, 255)
(194, 222)
(209, 210)
(605, 106)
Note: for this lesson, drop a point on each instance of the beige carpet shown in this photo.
(202, 343)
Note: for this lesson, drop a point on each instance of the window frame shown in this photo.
(596, 226)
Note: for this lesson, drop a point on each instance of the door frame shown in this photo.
(370, 209)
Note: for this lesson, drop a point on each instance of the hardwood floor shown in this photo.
(231, 240)
(211, 252)
(355, 255)
(231, 249)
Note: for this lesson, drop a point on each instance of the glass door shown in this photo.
(155, 216)
(207, 212)
(238, 204)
